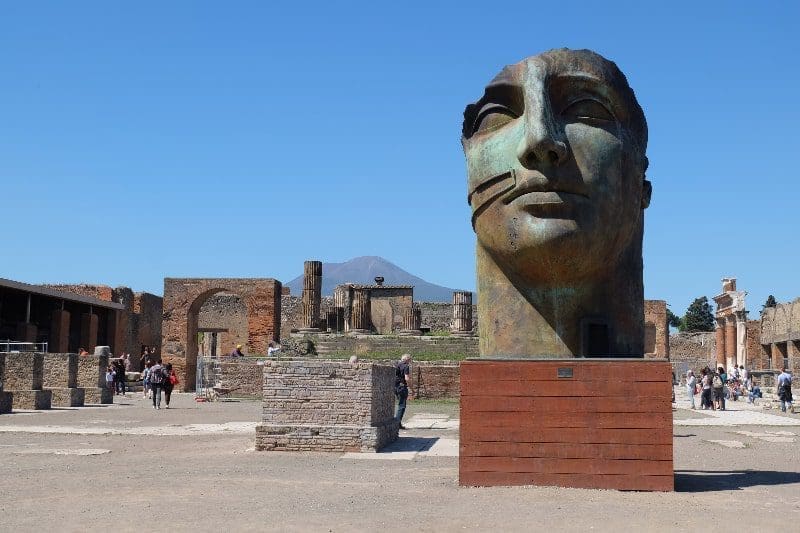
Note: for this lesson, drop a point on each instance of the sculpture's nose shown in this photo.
(539, 145)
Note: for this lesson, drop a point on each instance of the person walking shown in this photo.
(170, 380)
(705, 384)
(146, 379)
(691, 384)
(402, 386)
(785, 390)
(110, 379)
(718, 383)
(157, 383)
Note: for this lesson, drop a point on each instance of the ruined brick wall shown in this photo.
(438, 316)
(183, 300)
(781, 323)
(226, 311)
(692, 350)
(326, 406)
(656, 344)
(436, 379)
(100, 292)
(148, 309)
(757, 358)
(245, 379)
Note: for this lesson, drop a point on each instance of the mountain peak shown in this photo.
(364, 269)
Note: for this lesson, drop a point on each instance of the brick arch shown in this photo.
(183, 298)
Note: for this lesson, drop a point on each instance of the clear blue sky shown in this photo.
(237, 139)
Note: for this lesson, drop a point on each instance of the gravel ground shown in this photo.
(212, 480)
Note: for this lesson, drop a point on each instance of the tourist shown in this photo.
(146, 379)
(272, 350)
(110, 378)
(82, 351)
(744, 375)
(705, 398)
(170, 380)
(785, 389)
(353, 359)
(156, 383)
(718, 383)
(402, 385)
(237, 352)
(691, 384)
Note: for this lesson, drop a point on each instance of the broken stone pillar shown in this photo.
(5, 397)
(719, 336)
(462, 313)
(360, 314)
(60, 376)
(741, 338)
(730, 341)
(412, 321)
(89, 331)
(23, 379)
(92, 378)
(59, 331)
(27, 332)
(312, 296)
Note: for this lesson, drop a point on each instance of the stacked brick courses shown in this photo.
(24, 379)
(60, 376)
(327, 406)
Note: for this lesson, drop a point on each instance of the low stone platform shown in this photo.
(68, 397)
(31, 399)
(327, 406)
(583, 423)
(98, 395)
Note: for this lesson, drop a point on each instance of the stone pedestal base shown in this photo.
(300, 438)
(462, 333)
(360, 332)
(410, 332)
(309, 330)
(68, 397)
(584, 423)
(98, 395)
(31, 399)
(6, 401)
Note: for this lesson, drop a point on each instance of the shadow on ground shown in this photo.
(710, 480)
(410, 444)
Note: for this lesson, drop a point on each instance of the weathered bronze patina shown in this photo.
(556, 163)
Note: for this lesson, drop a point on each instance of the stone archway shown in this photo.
(183, 298)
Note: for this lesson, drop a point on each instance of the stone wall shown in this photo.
(757, 357)
(229, 312)
(60, 370)
(691, 350)
(391, 347)
(436, 379)
(656, 330)
(244, 378)
(781, 323)
(327, 406)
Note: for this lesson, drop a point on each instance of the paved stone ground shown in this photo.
(192, 467)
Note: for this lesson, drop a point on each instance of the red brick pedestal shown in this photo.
(585, 423)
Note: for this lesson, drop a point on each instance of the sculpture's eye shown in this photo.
(491, 117)
(588, 110)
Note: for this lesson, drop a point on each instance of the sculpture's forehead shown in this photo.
(560, 63)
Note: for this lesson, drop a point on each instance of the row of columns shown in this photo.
(730, 335)
(59, 331)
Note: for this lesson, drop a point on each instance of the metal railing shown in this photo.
(9, 346)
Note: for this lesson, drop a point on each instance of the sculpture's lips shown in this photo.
(543, 192)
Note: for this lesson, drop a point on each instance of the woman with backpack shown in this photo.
(157, 383)
(170, 380)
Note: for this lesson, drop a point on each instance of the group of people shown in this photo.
(156, 378)
(715, 386)
(272, 350)
(116, 380)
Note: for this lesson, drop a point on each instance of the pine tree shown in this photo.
(698, 316)
(673, 320)
(769, 303)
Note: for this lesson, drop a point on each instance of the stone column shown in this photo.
(89, 331)
(730, 341)
(360, 313)
(741, 338)
(462, 313)
(59, 332)
(412, 321)
(719, 335)
(312, 295)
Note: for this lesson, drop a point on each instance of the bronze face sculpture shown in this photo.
(556, 160)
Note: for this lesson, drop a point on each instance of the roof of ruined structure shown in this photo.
(61, 295)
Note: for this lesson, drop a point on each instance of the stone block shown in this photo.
(68, 397)
(23, 371)
(60, 370)
(31, 399)
(98, 395)
(92, 371)
(2, 370)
